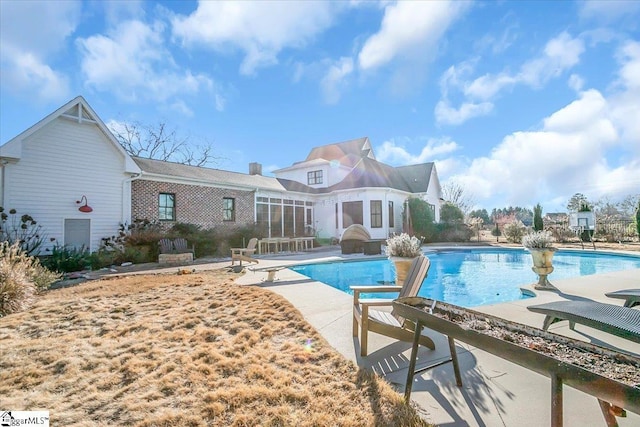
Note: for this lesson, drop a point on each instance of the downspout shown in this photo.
(2, 165)
(385, 208)
(127, 184)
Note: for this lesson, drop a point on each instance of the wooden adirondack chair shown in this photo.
(386, 322)
(180, 245)
(166, 246)
(244, 254)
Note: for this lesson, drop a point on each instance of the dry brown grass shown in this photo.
(190, 350)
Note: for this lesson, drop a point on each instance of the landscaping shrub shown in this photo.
(495, 231)
(103, 258)
(514, 231)
(136, 243)
(66, 259)
(21, 276)
(222, 241)
(587, 235)
(451, 214)
(453, 233)
(562, 235)
(22, 229)
(422, 219)
(142, 232)
(538, 224)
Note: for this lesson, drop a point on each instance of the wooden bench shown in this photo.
(174, 252)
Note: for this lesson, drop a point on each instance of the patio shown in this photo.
(495, 391)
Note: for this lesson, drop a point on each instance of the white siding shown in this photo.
(325, 211)
(332, 173)
(59, 164)
(434, 193)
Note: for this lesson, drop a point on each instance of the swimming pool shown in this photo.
(469, 277)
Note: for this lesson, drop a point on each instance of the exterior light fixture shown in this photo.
(84, 208)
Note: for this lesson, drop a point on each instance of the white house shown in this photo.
(349, 186)
(70, 154)
(49, 167)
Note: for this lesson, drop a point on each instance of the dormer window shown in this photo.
(314, 177)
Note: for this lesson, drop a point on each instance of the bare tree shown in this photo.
(629, 205)
(158, 142)
(454, 193)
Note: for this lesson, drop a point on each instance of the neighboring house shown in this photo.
(49, 167)
(555, 218)
(71, 153)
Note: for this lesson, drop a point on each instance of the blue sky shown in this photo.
(518, 102)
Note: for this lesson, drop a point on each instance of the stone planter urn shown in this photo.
(402, 265)
(543, 266)
(402, 249)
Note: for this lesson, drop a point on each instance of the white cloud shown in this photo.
(181, 107)
(609, 11)
(408, 29)
(568, 155)
(559, 54)
(629, 56)
(24, 73)
(32, 32)
(576, 82)
(334, 81)
(259, 29)
(132, 62)
(396, 154)
(454, 116)
(39, 27)
(118, 11)
(625, 108)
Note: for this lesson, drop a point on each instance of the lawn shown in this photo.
(188, 350)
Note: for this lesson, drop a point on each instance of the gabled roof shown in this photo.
(417, 177)
(368, 173)
(355, 148)
(372, 173)
(210, 176)
(78, 109)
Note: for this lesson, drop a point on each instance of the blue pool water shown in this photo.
(469, 278)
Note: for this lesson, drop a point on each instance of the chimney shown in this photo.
(255, 168)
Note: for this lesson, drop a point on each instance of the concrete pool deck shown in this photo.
(495, 392)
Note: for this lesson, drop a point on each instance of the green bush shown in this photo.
(451, 214)
(66, 259)
(21, 276)
(495, 231)
(538, 224)
(422, 219)
(103, 258)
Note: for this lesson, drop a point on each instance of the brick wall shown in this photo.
(194, 204)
